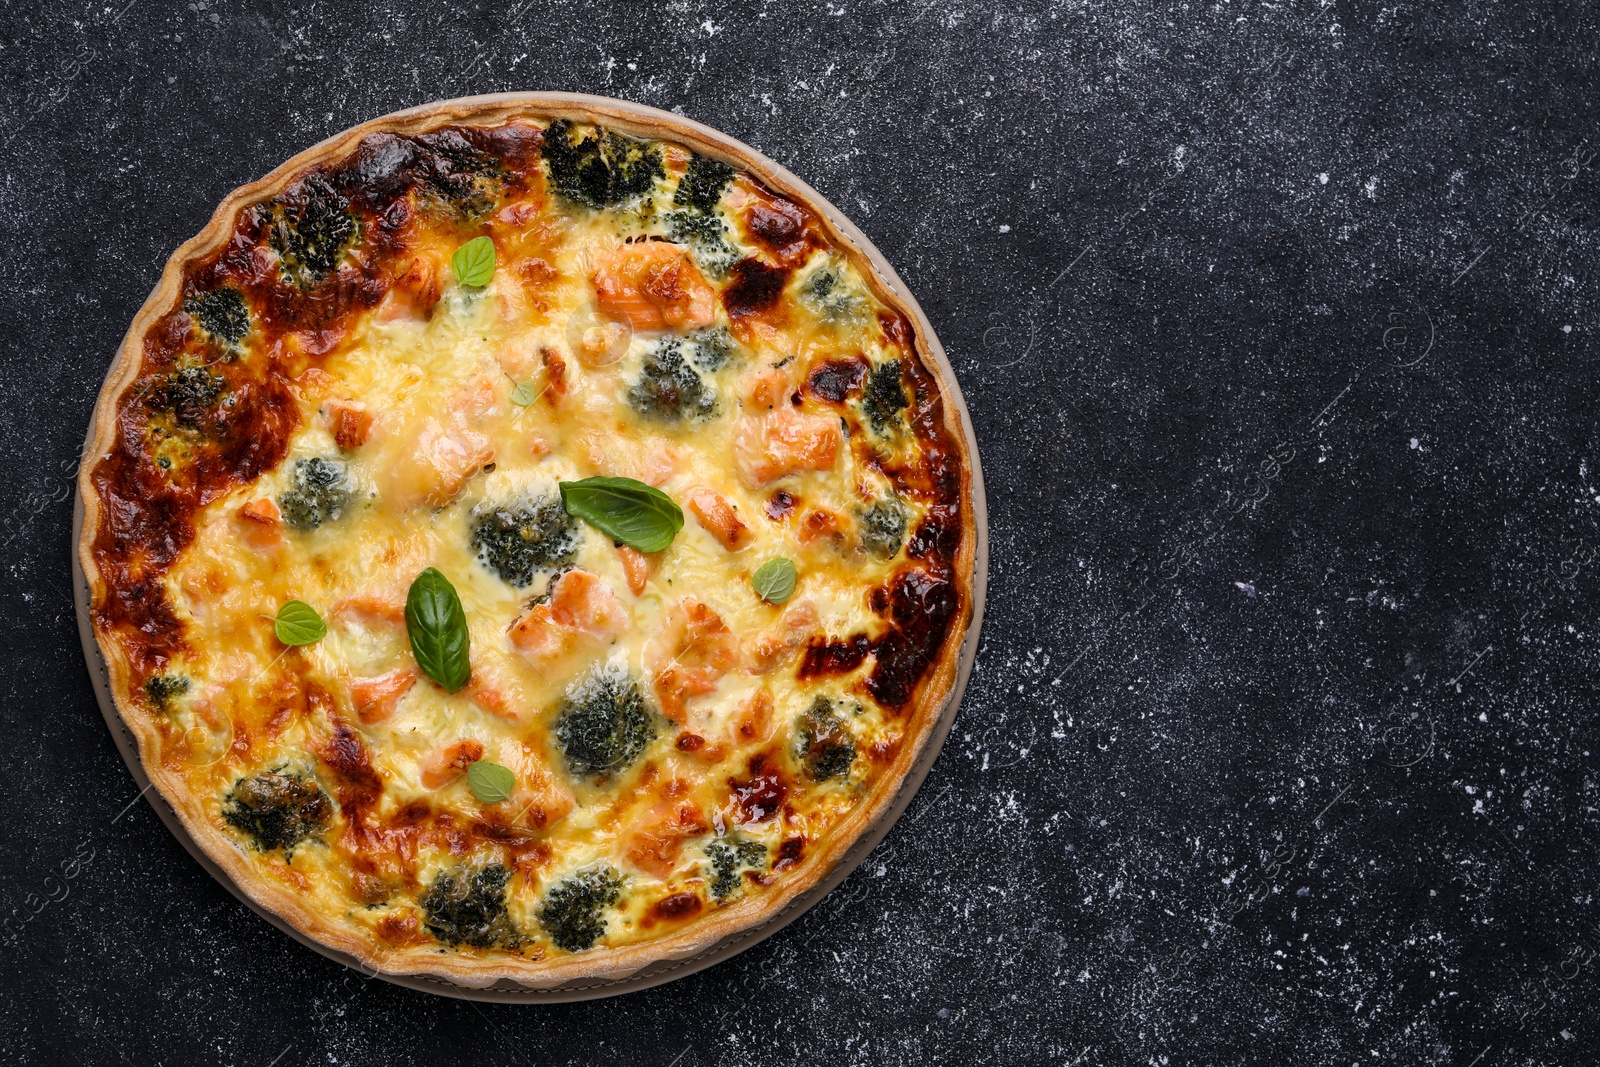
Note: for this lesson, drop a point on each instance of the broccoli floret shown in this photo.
(469, 907)
(603, 722)
(668, 389)
(318, 493)
(600, 169)
(221, 313)
(572, 911)
(310, 228)
(884, 396)
(190, 394)
(692, 228)
(819, 287)
(829, 295)
(698, 224)
(702, 184)
(279, 809)
(826, 747)
(729, 859)
(463, 176)
(706, 236)
(519, 540)
(882, 527)
(712, 348)
(161, 688)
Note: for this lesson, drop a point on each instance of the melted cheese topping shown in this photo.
(422, 405)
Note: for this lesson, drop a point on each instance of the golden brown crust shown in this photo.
(740, 919)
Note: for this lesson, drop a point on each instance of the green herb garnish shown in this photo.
(774, 581)
(633, 513)
(490, 782)
(297, 623)
(438, 628)
(473, 263)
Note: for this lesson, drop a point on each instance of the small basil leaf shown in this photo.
(438, 627)
(774, 582)
(631, 512)
(490, 782)
(473, 263)
(297, 623)
(524, 394)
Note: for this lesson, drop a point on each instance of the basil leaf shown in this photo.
(438, 627)
(297, 623)
(631, 512)
(490, 782)
(774, 582)
(473, 263)
(524, 394)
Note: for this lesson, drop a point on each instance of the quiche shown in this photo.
(528, 540)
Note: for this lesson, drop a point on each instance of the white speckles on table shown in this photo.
(1276, 325)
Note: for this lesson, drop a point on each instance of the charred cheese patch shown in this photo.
(350, 413)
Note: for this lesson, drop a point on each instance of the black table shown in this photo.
(1277, 323)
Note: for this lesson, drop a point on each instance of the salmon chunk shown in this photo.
(718, 517)
(698, 649)
(657, 829)
(263, 512)
(636, 565)
(653, 285)
(438, 468)
(784, 441)
(780, 642)
(491, 689)
(350, 422)
(413, 294)
(443, 766)
(583, 601)
(581, 605)
(376, 698)
(261, 524)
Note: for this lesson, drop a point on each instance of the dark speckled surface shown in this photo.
(1278, 326)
